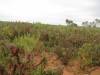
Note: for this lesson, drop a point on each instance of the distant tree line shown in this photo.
(95, 23)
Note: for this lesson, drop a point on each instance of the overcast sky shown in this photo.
(49, 11)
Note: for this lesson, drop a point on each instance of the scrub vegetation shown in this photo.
(44, 49)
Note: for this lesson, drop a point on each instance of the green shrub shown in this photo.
(7, 32)
(4, 53)
(65, 54)
(51, 72)
(89, 55)
(26, 42)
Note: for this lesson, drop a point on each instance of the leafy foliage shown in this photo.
(26, 42)
(90, 54)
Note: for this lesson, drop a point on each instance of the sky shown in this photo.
(49, 11)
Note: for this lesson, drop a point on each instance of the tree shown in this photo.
(89, 24)
(70, 23)
(85, 24)
(93, 24)
(97, 22)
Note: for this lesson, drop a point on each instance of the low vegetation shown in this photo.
(21, 44)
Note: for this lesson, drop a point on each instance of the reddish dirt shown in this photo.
(37, 58)
(66, 72)
(96, 72)
(54, 63)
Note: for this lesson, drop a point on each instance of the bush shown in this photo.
(51, 72)
(4, 53)
(89, 55)
(7, 32)
(65, 54)
(27, 42)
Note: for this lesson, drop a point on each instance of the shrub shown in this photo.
(89, 55)
(26, 42)
(4, 53)
(51, 72)
(65, 54)
(7, 32)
